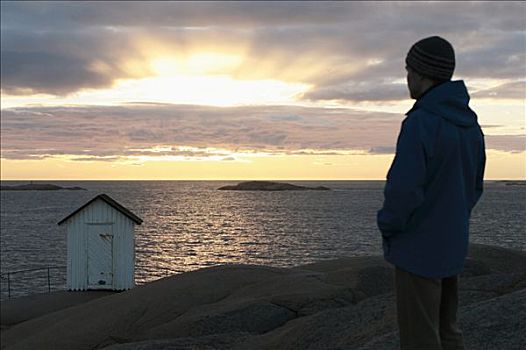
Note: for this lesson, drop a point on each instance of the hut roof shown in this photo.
(109, 201)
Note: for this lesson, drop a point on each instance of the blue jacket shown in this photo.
(434, 182)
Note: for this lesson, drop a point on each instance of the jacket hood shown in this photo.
(450, 101)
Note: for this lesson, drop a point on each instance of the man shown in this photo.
(434, 182)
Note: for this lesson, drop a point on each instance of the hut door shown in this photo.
(100, 256)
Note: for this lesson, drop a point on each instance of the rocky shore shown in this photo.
(346, 303)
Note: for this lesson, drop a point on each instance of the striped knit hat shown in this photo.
(432, 57)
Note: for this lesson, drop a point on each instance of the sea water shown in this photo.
(190, 225)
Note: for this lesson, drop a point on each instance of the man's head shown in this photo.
(429, 62)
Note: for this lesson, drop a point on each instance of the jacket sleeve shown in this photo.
(404, 190)
(479, 182)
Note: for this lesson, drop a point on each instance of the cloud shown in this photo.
(382, 150)
(102, 132)
(501, 56)
(508, 143)
(113, 133)
(488, 126)
(343, 49)
(360, 91)
(95, 158)
(165, 14)
(42, 72)
(286, 118)
(516, 89)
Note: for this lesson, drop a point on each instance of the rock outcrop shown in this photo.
(346, 303)
(270, 186)
(39, 187)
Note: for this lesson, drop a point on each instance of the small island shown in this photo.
(270, 186)
(39, 187)
(512, 183)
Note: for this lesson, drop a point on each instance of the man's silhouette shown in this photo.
(434, 182)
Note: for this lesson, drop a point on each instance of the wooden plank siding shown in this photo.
(100, 212)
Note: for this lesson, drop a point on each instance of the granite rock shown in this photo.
(346, 303)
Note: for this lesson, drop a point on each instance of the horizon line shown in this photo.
(20, 180)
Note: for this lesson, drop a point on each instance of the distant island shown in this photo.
(39, 187)
(512, 183)
(270, 186)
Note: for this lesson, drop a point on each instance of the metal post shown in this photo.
(48, 282)
(8, 285)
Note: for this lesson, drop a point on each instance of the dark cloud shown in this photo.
(59, 15)
(42, 72)
(499, 56)
(63, 47)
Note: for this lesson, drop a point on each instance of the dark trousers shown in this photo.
(427, 312)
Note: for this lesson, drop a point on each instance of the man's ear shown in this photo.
(419, 76)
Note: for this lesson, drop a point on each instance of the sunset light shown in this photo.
(238, 82)
(212, 90)
(282, 175)
(196, 64)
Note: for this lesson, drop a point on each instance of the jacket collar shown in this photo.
(450, 100)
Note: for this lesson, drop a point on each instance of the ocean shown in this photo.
(190, 225)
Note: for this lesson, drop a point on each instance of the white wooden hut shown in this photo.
(101, 245)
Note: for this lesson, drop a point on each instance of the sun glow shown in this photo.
(215, 90)
(196, 64)
(205, 78)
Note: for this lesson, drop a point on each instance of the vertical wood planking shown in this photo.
(68, 257)
(116, 249)
(123, 249)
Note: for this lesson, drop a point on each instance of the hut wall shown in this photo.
(122, 229)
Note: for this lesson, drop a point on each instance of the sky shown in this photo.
(242, 90)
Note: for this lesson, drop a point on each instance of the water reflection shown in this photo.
(189, 225)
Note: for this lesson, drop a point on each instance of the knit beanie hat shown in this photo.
(432, 57)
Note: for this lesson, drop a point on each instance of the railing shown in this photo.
(29, 284)
(7, 275)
